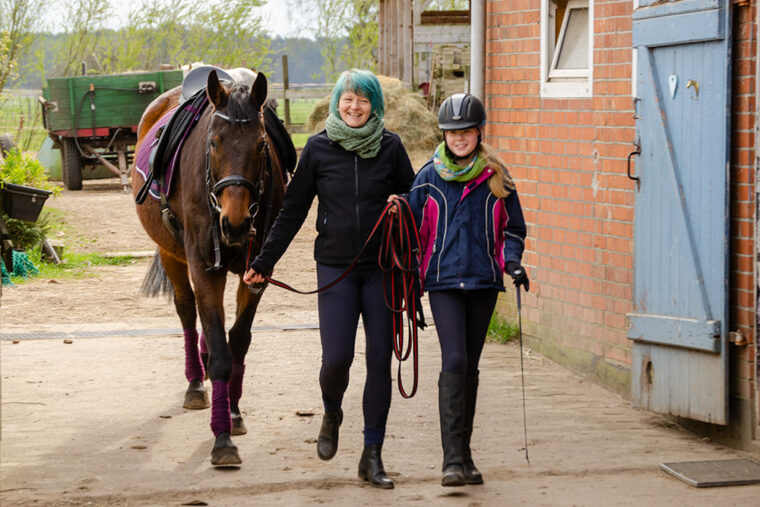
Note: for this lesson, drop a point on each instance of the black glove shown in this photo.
(420, 316)
(518, 274)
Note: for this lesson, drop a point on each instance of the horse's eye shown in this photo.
(212, 144)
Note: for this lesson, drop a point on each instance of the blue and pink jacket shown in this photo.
(467, 234)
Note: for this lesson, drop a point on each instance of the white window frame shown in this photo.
(564, 83)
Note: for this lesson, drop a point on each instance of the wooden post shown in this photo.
(396, 36)
(385, 52)
(285, 84)
(381, 37)
(407, 60)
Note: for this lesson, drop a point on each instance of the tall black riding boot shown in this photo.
(451, 412)
(371, 468)
(471, 473)
(327, 443)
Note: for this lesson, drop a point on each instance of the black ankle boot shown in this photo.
(327, 443)
(451, 412)
(371, 468)
(471, 473)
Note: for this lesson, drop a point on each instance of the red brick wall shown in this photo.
(743, 359)
(569, 159)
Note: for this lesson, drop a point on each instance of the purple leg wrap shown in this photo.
(220, 408)
(193, 364)
(236, 382)
(204, 350)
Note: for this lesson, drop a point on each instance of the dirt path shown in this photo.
(99, 420)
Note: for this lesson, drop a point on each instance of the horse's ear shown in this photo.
(216, 92)
(259, 91)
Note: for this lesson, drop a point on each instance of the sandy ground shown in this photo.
(99, 421)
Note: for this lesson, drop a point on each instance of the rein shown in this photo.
(397, 260)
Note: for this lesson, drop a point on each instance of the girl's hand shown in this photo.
(252, 276)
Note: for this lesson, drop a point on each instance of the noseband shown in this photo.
(214, 188)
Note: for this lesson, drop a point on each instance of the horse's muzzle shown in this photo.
(235, 234)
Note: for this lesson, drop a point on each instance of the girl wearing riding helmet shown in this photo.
(472, 229)
(352, 167)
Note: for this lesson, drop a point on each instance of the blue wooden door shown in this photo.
(678, 325)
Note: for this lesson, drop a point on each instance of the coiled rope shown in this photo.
(397, 260)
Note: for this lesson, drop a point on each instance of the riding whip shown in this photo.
(522, 368)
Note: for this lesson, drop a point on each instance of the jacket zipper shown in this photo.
(356, 190)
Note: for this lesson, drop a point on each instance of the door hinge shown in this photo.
(737, 338)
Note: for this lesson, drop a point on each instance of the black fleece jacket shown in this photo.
(352, 193)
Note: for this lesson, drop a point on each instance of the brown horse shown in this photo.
(227, 189)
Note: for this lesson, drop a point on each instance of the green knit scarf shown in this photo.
(448, 170)
(364, 140)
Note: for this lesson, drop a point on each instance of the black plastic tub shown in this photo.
(23, 203)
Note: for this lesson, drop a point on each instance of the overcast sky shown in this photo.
(274, 17)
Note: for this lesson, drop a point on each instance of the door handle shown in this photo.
(637, 151)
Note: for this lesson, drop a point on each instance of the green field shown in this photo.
(299, 110)
(21, 117)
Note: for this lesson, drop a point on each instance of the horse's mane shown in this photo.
(239, 105)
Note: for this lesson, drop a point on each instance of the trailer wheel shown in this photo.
(6, 144)
(71, 169)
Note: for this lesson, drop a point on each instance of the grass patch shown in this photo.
(73, 265)
(299, 140)
(501, 330)
(21, 116)
(299, 110)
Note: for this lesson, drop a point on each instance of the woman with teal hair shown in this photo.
(352, 166)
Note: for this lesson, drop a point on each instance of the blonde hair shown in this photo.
(500, 183)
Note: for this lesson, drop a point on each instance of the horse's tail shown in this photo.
(156, 282)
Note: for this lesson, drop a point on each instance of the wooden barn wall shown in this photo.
(569, 160)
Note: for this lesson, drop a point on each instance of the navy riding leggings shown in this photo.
(359, 293)
(461, 320)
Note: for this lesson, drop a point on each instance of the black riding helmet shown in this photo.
(461, 111)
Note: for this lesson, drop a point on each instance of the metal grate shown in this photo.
(705, 474)
(47, 335)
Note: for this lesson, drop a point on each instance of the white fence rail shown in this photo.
(22, 92)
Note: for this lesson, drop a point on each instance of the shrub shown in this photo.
(23, 169)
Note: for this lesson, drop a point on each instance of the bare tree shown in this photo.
(330, 28)
(84, 21)
(18, 20)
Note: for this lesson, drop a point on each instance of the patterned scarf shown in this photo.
(364, 140)
(448, 170)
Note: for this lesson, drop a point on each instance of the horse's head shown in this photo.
(238, 154)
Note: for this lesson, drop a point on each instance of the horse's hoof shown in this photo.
(196, 397)
(225, 453)
(238, 426)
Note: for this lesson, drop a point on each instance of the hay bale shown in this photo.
(405, 114)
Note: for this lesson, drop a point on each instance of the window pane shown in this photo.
(574, 49)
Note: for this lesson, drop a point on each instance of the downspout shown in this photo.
(478, 48)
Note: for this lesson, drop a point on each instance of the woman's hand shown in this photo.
(252, 276)
(391, 198)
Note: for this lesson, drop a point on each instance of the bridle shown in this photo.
(214, 188)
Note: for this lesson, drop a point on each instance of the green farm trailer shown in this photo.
(93, 119)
